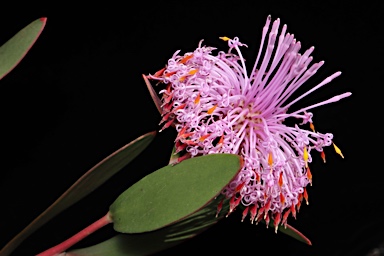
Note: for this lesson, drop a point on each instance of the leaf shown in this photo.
(294, 233)
(151, 242)
(173, 192)
(153, 94)
(92, 179)
(14, 50)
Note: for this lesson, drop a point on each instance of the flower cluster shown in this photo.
(217, 106)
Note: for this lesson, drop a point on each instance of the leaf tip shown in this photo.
(301, 235)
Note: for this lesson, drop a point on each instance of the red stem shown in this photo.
(77, 237)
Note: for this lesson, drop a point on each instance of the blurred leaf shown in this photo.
(173, 192)
(153, 94)
(14, 50)
(151, 242)
(92, 179)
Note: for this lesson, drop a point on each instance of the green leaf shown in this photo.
(92, 179)
(151, 242)
(173, 193)
(14, 50)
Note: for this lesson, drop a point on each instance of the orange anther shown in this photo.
(192, 71)
(210, 111)
(185, 59)
(197, 99)
(312, 127)
(202, 138)
(270, 159)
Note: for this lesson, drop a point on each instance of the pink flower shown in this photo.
(218, 106)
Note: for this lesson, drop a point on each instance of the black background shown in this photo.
(78, 96)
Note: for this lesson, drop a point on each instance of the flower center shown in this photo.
(248, 117)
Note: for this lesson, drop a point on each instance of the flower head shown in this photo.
(218, 106)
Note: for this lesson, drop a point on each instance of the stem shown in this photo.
(77, 237)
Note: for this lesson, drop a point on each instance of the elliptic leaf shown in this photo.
(173, 193)
(14, 50)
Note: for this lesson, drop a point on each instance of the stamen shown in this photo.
(202, 138)
(266, 219)
(197, 99)
(270, 159)
(167, 124)
(245, 213)
(277, 221)
(233, 203)
(165, 117)
(281, 179)
(160, 72)
(267, 207)
(219, 207)
(253, 212)
(322, 154)
(224, 38)
(306, 195)
(181, 132)
(285, 217)
(170, 73)
(221, 140)
(305, 156)
(257, 177)
(192, 71)
(298, 205)
(312, 126)
(239, 187)
(179, 107)
(179, 147)
(309, 175)
(338, 151)
(293, 210)
(190, 142)
(210, 111)
(185, 59)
